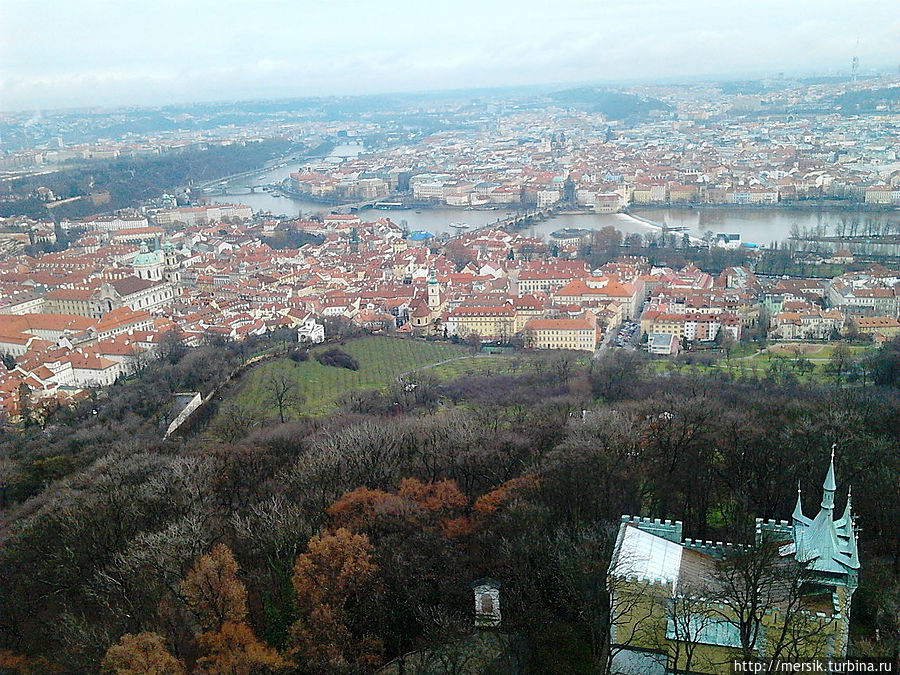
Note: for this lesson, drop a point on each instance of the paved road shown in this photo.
(605, 343)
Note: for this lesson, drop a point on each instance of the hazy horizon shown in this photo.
(102, 54)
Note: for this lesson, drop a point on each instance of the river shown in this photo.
(755, 225)
(762, 225)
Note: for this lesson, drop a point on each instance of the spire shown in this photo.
(798, 510)
(827, 545)
(847, 518)
(844, 524)
(829, 479)
(830, 485)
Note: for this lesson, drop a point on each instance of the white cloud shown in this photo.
(85, 52)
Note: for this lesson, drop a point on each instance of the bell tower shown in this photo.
(434, 293)
(172, 271)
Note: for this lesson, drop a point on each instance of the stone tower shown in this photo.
(434, 293)
(172, 272)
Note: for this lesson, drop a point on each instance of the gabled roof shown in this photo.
(646, 556)
(130, 285)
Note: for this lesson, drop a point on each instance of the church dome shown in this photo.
(146, 258)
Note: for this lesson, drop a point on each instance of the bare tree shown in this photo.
(282, 390)
(234, 422)
(563, 364)
(839, 363)
(688, 616)
(473, 339)
(138, 360)
(757, 581)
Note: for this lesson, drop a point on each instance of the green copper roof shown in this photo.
(798, 516)
(146, 258)
(830, 485)
(824, 544)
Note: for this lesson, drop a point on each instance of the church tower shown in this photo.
(435, 301)
(172, 272)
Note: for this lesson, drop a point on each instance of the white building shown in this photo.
(547, 197)
(310, 330)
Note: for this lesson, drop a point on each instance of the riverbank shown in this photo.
(800, 205)
(761, 224)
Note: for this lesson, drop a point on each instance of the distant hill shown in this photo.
(613, 104)
(868, 100)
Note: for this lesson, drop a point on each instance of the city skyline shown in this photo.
(103, 54)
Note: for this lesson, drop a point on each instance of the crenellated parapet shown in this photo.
(773, 530)
(714, 549)
(667, 529)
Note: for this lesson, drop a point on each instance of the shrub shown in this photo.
(299, 355)
(337, 358)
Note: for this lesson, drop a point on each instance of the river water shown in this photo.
(760, 226)
(763, 225)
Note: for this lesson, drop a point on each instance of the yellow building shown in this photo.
(595, 291)
(883, 325)
(681, 605)
(580, 334)
(641, 195)
(527, 307)
(878, 194)
(495, 322)
(668, 324)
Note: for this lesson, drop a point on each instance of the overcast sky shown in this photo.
(66, 53)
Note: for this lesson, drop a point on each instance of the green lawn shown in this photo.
(495, 364)
(381, 361)
(748, 362)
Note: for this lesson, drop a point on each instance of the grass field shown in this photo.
(381, 361)
(484, 365)
(760, 363)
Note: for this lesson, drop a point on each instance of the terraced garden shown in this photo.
(381, 361)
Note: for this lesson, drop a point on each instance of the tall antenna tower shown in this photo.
(854, 63)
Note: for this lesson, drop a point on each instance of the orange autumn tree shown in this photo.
(442, 504)
(335, 572)
(141, 654)
(11, 662)
(441, 496)
(218, 598)
(435, 505)
(212, 590)
(235, 650)
(359, 508)
(488, 503)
